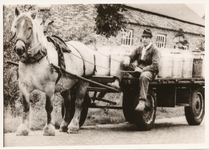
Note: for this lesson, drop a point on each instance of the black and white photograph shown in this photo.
(104, 75)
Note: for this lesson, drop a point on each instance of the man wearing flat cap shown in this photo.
(148, 58)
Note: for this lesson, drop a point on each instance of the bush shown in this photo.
(11, 122)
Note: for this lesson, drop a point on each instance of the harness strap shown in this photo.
(61, 61)
(63, 42)
(95, 69)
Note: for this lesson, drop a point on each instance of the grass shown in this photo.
(95, 116)
(10, 122)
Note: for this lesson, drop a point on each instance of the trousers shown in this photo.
(144, 79)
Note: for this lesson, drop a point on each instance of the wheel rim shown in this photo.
(148, 115)
(198, 105)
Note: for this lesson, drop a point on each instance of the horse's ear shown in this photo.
(33, 15)
(17, 12)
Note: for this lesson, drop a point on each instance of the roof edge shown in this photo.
(163, 15)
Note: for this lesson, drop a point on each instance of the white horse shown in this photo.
(36, 54)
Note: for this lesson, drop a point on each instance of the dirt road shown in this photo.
(165, 131)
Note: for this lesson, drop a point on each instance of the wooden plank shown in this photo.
(101, 89)
(182, 104)
(109, 107)
(104, 100)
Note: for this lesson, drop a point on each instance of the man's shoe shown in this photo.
(141, 105)
(114, 84)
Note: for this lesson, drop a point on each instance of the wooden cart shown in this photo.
(162, 92)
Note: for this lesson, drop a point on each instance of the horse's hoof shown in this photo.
(63, 126)
(63, 129)
(22, 133)
(22, 130)
(72, 130)
(49, 130)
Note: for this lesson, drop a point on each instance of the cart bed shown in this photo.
(181, 82)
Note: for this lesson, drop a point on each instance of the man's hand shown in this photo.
(126, 62)
(137, 69)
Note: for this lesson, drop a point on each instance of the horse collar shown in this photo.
(37, 57)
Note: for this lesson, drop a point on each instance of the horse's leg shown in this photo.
(66, 115)
(23, 129)
(81, 88)
(49, 129)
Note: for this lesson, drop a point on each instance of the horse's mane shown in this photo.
(37, 29)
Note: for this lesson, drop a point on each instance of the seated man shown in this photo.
(148, 61)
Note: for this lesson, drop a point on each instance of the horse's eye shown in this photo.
(15, 27)
(29, 28)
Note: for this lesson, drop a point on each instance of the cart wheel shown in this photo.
(128, 103)
(196, 111)
(145, 120)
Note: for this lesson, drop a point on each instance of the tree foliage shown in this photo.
(180, 33)
(201, 44)
(109, 19)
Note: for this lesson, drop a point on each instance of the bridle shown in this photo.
(40, 50)
(41, 53)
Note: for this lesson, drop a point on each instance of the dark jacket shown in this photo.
(150, 61)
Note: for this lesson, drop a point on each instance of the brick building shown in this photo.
(166, 21)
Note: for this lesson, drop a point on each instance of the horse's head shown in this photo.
(24, 27)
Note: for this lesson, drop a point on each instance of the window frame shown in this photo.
(161, 40)
(127, 37)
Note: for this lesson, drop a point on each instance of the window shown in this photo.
(127, 37)
(160, 41)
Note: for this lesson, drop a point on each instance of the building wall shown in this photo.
(77, 22)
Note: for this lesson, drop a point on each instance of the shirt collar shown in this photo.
(148, 46)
